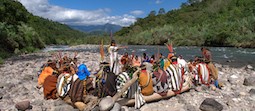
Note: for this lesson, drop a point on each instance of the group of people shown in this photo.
(65, 78)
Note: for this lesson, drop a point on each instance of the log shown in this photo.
(156, 96)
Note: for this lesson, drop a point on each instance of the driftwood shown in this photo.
(108, 102)
(156, 96)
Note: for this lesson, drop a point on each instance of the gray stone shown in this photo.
(23, 105)
(95, 108)
(37, 102)
(65, 107)
(252, 93)
(28, 78)
(250, 81)
(59, 102)
(210, 104)
(106, 103)
(248, 67)
(116, 107)
(2, 85)
(189, 107)
(234, 79)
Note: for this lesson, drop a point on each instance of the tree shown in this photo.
(161, 11)
(152, 13)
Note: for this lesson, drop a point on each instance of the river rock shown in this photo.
(210, 104)
(248, 67)
(250, 81)
(37, 102)
(252, 93)
(234, 79)
(116, 107)
(65, 107)
(23, 105)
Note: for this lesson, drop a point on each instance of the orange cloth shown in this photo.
(45, 73)
(147, 89)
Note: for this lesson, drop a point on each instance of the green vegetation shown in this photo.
(21, 32)
(196, 23)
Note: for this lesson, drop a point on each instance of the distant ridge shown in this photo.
(97, 29)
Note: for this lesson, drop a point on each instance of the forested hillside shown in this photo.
(196, 23)
(21, 32)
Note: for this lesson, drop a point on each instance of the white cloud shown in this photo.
(75, 17)
(137, 12)
(158, 1)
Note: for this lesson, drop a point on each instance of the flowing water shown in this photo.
(235, 57)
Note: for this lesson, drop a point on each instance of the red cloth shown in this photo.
(49, 87)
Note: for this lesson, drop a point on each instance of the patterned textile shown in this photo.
(175, 77)
(202, 73)
(160, 84)
(139, 100)
(76, 90)
(63, 85)
(121, 80)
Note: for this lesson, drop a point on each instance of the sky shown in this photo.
(97, 12)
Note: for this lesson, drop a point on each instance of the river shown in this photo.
(234, 57)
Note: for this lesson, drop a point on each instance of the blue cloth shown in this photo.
(216, 83)
(146, 59)
(82, 72)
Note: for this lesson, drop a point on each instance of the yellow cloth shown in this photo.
(166, 64)
(45, 73)
(147, 89)
(213, 70)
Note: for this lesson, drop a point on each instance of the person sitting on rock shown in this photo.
(145, 82)
(46, 72)
(208, 60)
(49, 86)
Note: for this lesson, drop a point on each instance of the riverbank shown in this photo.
(19, 78)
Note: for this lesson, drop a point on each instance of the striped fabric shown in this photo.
(175, 79)
(139, 101)
(202, 73)
(63, 85)
(122, 78)
(134, 91)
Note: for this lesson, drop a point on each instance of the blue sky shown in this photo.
(97, 12)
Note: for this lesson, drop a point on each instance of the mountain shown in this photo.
(196, 23)
(22, 32)
(106, 28)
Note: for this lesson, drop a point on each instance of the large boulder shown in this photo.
(210, 104)
(116, 107)
(250, 81)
